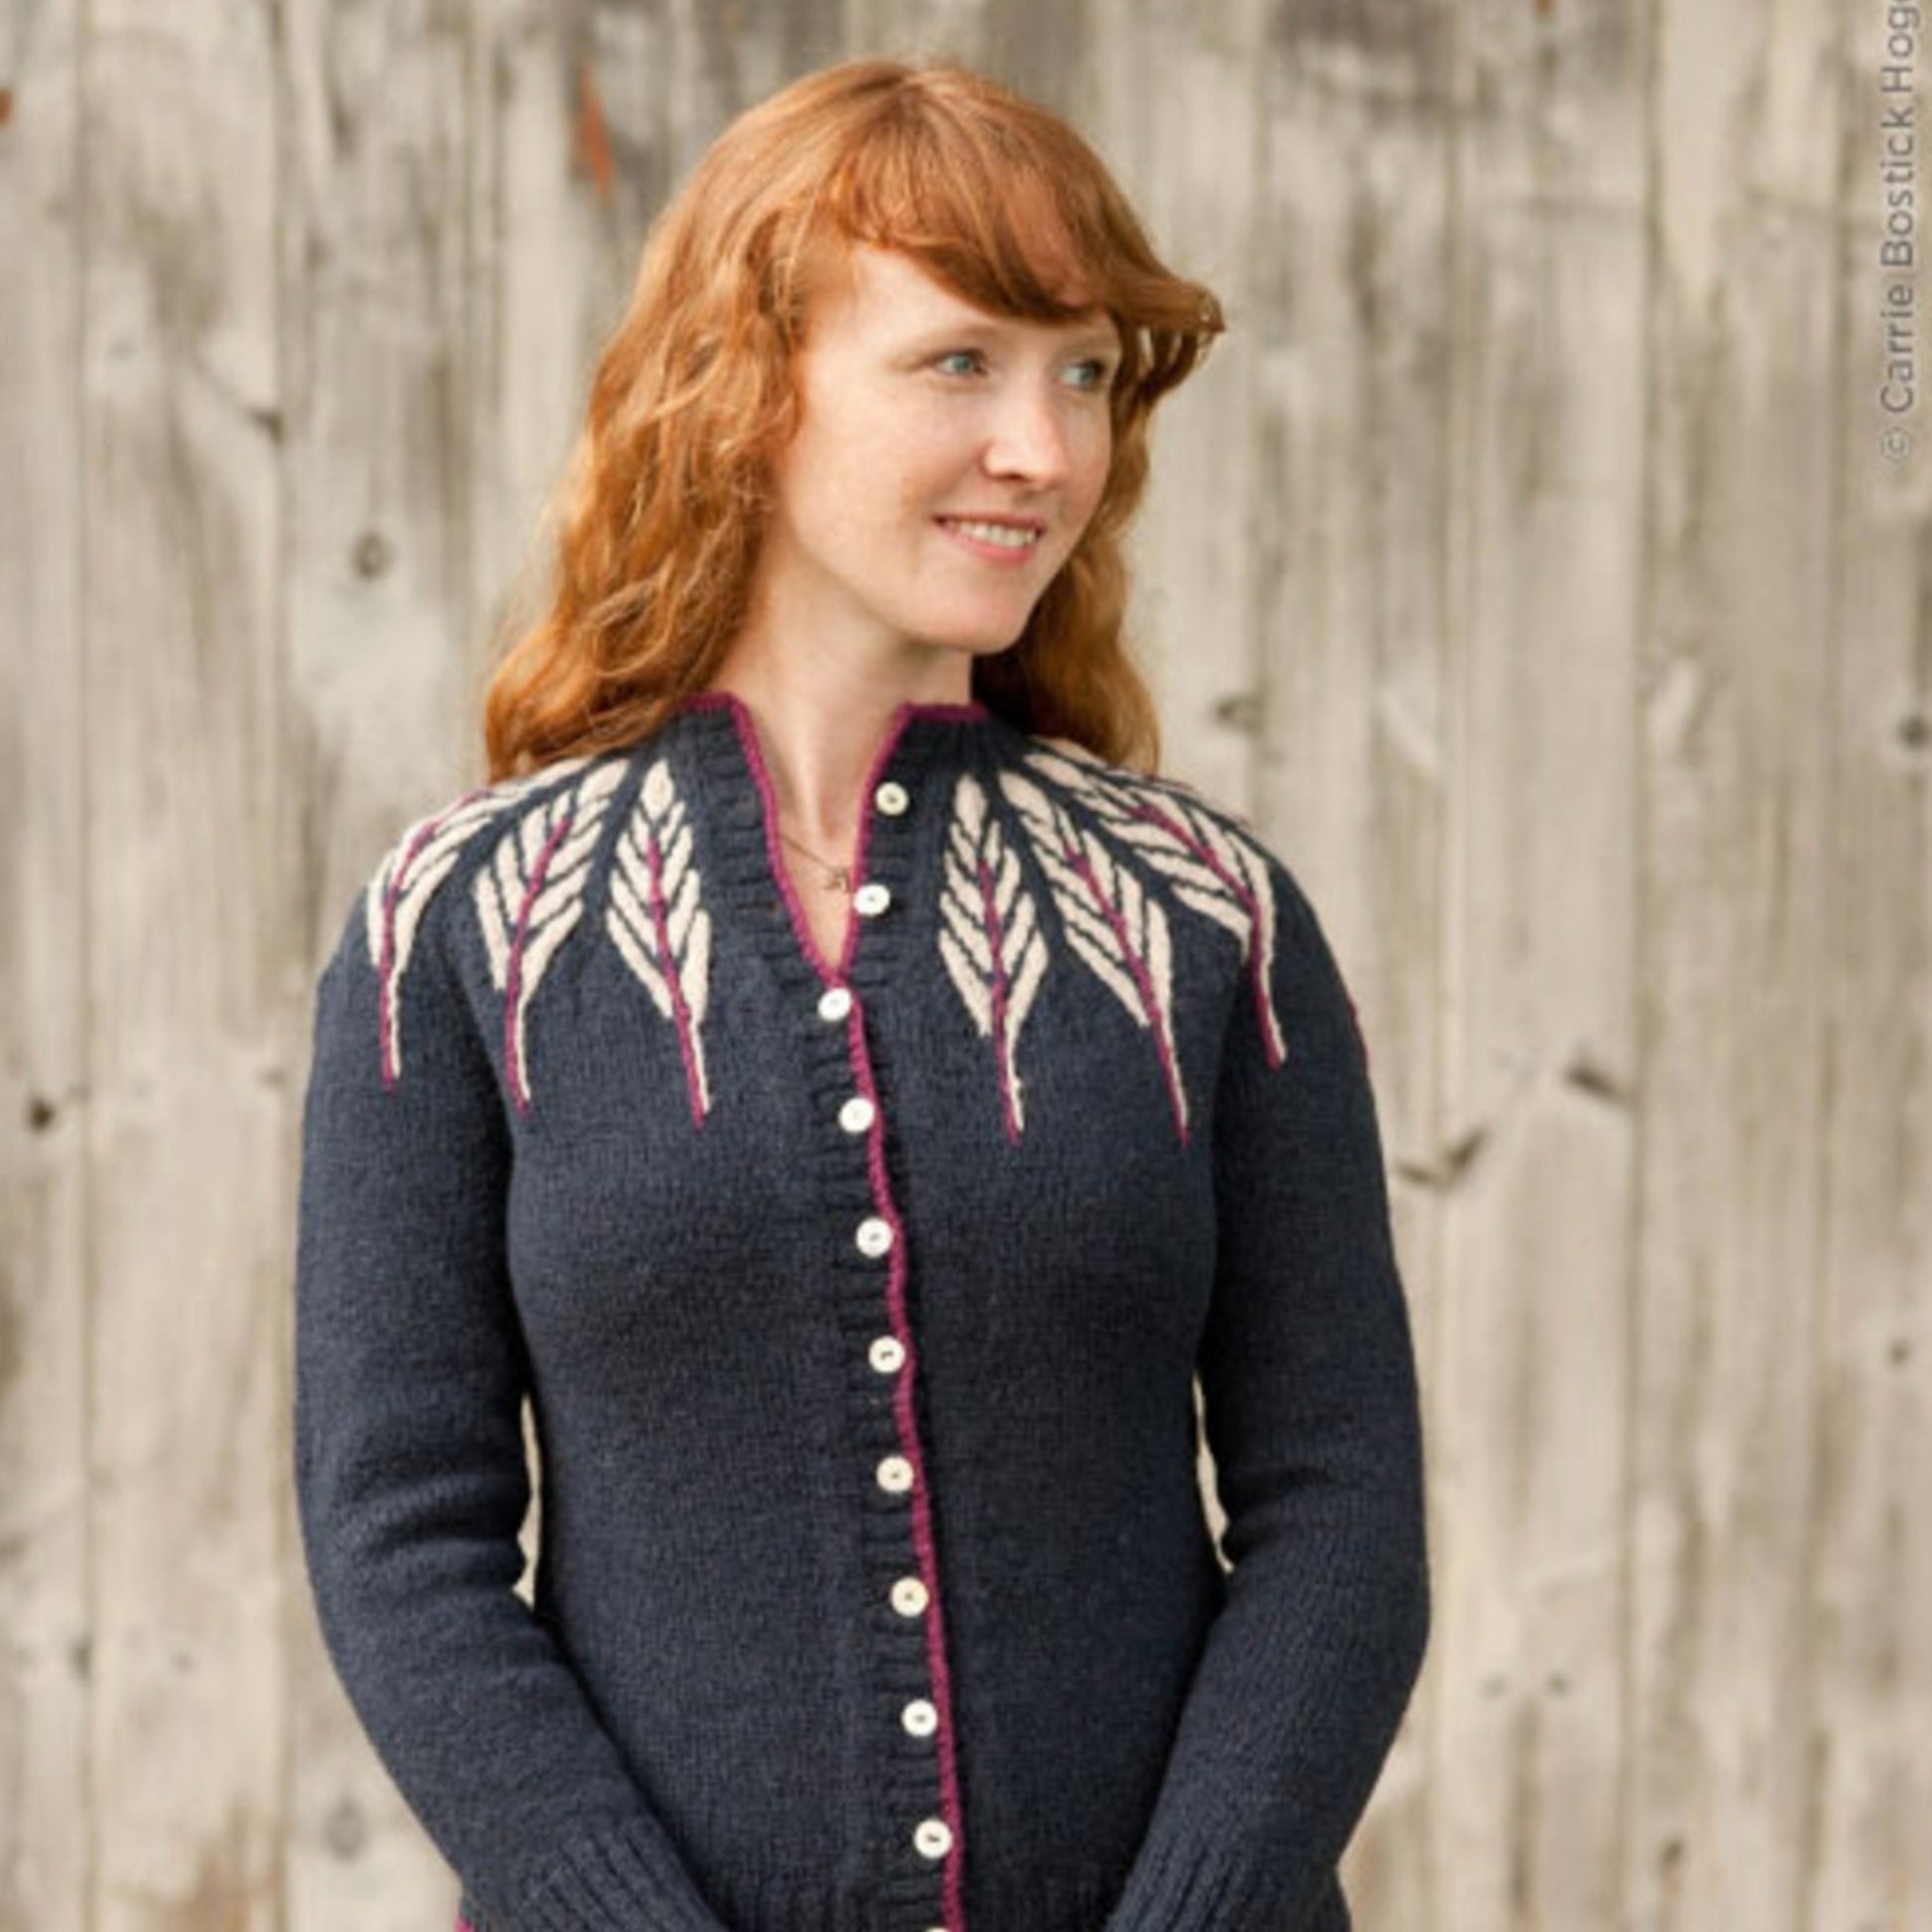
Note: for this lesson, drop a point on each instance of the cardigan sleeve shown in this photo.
(410, 1476)
(1311, 1413)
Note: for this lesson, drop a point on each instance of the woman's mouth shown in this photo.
(1003, 541)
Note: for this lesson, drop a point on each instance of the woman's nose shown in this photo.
(1029, 438)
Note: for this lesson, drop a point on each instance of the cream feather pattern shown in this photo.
(403, 883)
(1111, 919)
(529, 897)
(658, 924)
(1216, 870)
(990, 937)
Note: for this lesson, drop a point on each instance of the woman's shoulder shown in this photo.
(1156, 811)
(506, 827)
(425, 850)
(1133, 836)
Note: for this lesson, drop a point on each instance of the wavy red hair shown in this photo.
(661, 510)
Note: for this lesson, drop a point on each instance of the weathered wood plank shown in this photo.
(1871, 1566)
(1542, 512)
(1348, 689)
(44, 1049)
(1737, 832)
(188, 902)
(902, 30)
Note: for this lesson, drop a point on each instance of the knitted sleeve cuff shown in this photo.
(1196, 1885)
(626, 1877)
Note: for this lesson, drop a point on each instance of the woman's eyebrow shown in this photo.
(1101, 333)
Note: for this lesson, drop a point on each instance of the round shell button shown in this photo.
(887, 1354)
(891, 797)
(909, 1595)
(835, 1002)
(875, 1235)
(932, 1837)
(920, 1718)
(871, 900)
(857, 1114)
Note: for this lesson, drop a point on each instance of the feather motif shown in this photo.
(658, 924)
(1111, 922)
(399, 892)
(990, 938)
(1214, 869)
(530, 897)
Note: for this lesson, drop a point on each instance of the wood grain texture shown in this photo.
(1737, 805)
(1346, 699)
(1862, 1857)
(45, 1632)
(190, 911)
(1536, 1159)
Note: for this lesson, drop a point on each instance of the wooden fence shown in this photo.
(1528, 561)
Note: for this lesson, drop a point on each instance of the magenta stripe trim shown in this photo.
(1002, 1043)
(774, 859)
(908, 1438)
(673, 968)
(392, 893)
(1202, 853)
(513, 977)
(1082, 866)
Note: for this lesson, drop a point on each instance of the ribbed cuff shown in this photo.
(627, 1878)
(1200, 1886)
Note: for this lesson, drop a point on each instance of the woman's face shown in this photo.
(945, 463)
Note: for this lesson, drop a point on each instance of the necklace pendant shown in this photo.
(840, 879)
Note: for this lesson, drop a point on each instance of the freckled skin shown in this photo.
(918, 406)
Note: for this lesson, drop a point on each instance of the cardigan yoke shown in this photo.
(859, 1306)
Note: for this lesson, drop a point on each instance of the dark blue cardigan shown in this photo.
(859, 1306)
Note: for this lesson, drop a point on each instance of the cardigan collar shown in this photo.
(928, 747)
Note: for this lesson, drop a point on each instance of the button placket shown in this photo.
(865, 1242)
(911, 1658)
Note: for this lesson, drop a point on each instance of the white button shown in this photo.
(870, 901)
(891, 797)
(835, 1002)
(909, 1597)
(875, 1236)
(856, 1115)
(933, 1837)
(887, 1354)
(895, 1474)
(920, 1718)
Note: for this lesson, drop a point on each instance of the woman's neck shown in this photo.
(820, 725)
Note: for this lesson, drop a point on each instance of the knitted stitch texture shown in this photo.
(858, 1304)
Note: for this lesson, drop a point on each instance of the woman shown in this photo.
(852, 1098)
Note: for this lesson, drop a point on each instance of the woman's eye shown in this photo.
(958, 361)
(1093, 373)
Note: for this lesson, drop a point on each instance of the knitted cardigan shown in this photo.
(858, 1306)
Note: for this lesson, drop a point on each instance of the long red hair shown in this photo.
(660, 513)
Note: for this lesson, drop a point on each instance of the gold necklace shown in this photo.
(838, 878)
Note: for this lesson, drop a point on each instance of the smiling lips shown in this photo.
(1005, 536)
